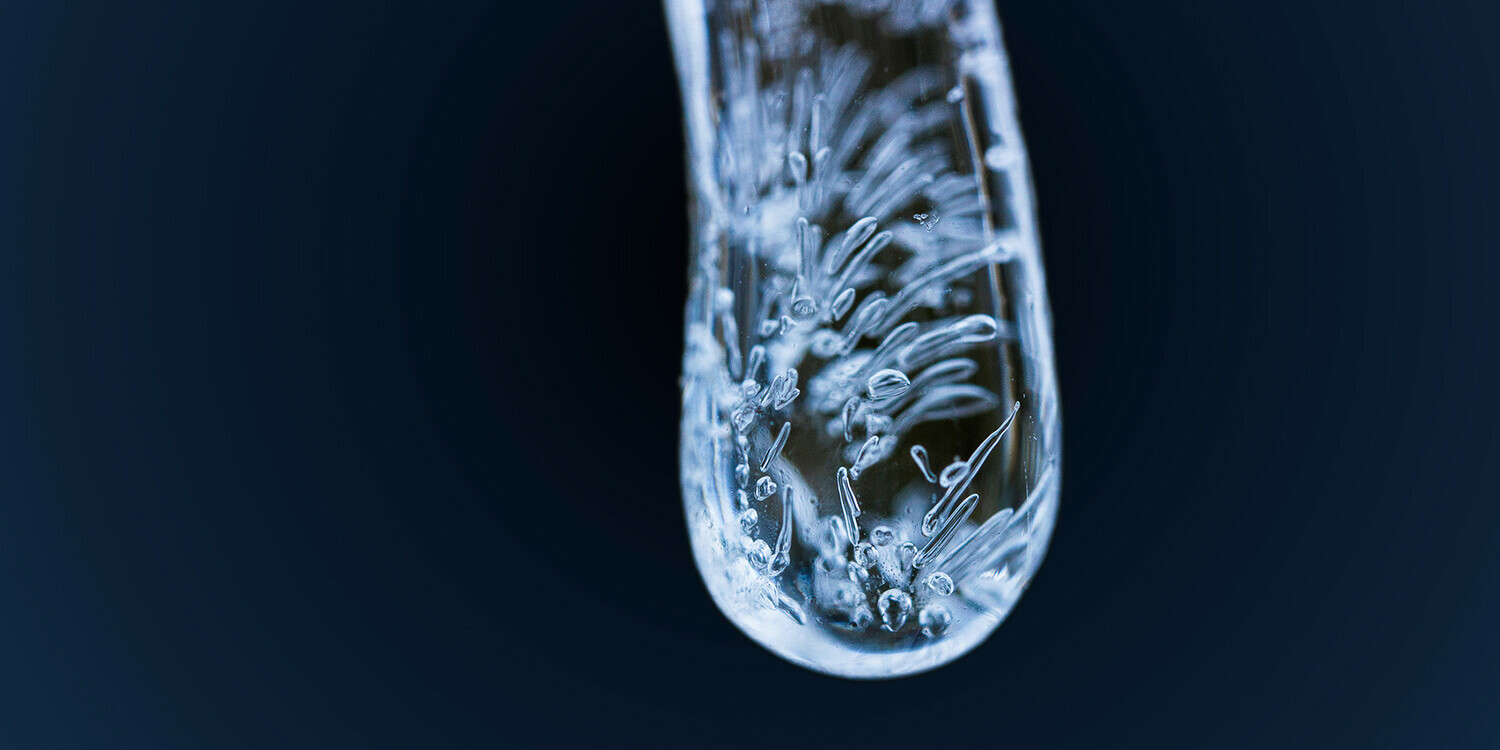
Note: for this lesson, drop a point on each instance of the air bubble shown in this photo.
(749, 519)
(887, 384)
(939, 584)
(907, 554)
(934, 619)
(764, 488)
(895, 606)
(857, 573)
(952, 473)
(759, 554)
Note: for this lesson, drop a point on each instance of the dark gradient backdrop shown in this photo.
(338, 358)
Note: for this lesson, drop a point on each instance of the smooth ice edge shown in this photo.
(813, 648)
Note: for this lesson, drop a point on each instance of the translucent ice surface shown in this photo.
(870, 427)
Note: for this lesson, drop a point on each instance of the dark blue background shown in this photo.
(338, 355)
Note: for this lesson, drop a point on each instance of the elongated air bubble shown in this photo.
(966, 474)
(781, 437)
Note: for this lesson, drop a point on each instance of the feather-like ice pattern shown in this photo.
(870, 427)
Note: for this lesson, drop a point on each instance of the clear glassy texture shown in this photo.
(870, 427)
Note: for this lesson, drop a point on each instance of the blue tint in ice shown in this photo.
(868, 358)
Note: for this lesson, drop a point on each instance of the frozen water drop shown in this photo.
(856, 291)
